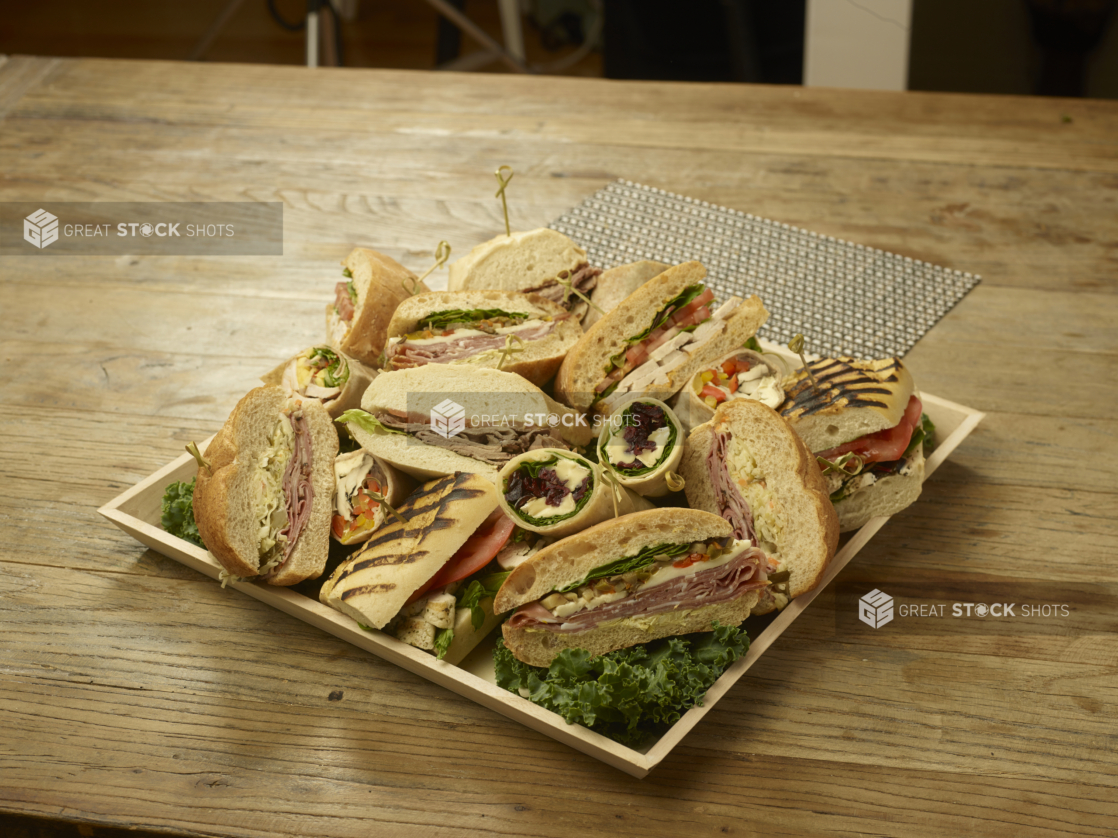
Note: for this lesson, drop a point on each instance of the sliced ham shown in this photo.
(405, 354)
(343, 303)
(298, 492)
(707, 587)
(731, 504)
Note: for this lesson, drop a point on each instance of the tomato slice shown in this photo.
(476, 553)
(883, 446)
(338, 525)
(717, 393)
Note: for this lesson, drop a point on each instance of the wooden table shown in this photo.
(136, 693)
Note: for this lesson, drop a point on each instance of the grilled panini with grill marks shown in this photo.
(853, 398)
(374, 584)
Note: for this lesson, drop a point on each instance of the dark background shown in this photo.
(1046, 47)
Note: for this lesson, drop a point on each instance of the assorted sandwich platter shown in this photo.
(138, 512)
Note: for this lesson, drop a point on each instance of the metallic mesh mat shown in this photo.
(845, 298)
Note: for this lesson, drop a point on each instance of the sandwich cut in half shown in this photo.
(265, 493)
(438, 419)
(864, 421)
(630, 580)
(322, 373)
(655, 341)
(531, 262)
(364, 301)
(524, 334)
(427, 577)
(748, 466)
(616, 284)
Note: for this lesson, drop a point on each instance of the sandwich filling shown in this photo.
(459, 336)
(744, 376)
(676, 332)
(550, 489)
(345, 307)
(743, 498)
(857, 465)
(643, 438)
(356, 475)
(317, 373)
(494, 444)
(657, 580)
(584, 279)
(283, 489)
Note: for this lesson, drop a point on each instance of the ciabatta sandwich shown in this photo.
(264, 498)
(748, 466)
(532, 261)
(428, 579)
(864, 421)
(357, 320)
(655, 341)
(439, 419)
(615, 284)
(524, 334)
(630, 580)
(322, 373)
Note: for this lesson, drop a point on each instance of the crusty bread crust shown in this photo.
(536, 360)
(539, 647)
(381, 284)
(887, 496)
(525, 259)
(360, 377)
(570, 559)
(223, 496)
(616, 284)
(810, 525)
(584, 367)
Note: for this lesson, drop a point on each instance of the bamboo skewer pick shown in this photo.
(796, 344)
(501, 194)
(442, 253)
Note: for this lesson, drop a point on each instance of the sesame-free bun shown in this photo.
(802, 513)
(516, 262)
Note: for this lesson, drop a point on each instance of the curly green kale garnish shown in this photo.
(632, 695)
(178, 512)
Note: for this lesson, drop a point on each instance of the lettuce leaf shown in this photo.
(461, 317)
(480, 588)
(443, 639)
(178, 512)
(632, 695)
(630, 563)
(366, 422)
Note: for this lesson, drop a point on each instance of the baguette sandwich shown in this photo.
(524, 334)
(540, 261)
(634, 579)
(427, 579)
(264, 497)
(865, 423)
(435, 420)
(357, 320)
(655, 341)
(319, 372)
(748, 466)
(615, 284)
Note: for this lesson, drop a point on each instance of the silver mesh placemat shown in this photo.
(845, 298)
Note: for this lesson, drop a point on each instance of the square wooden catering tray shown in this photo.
(138, 512)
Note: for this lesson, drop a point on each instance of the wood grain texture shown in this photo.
(136, 693)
